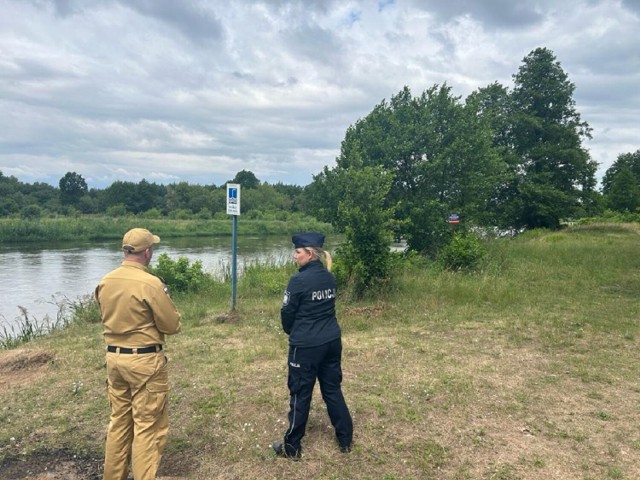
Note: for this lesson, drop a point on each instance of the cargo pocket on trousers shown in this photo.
(300, 378)
(157, 392)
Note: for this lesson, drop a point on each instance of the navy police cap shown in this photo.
(307, 239)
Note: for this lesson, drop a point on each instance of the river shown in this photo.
(36, 279)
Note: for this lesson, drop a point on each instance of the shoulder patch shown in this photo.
(285, 300)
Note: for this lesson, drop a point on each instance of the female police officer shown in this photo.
(309, 318)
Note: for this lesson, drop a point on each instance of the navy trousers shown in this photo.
(305, 365)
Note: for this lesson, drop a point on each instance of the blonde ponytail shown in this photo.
(329, 260)
(321, 255)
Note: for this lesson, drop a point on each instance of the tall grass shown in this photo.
(27, 327)
(24, 330)
(268, 276)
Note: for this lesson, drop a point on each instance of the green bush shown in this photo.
(70, 211)
(254, 214)
(463, 252)
(268, 277)
(85, 309)
(8, 206)
(31, 212)
(118, 210)
(363, 267)
(181, 214)
(203, 214)
(363, 261)
(153, 213)
(612, 216)
(179, 275)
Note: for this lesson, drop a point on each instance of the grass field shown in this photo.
(527, 369)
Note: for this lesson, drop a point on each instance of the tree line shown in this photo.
(260, 200)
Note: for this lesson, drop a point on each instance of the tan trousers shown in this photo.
(138, 387)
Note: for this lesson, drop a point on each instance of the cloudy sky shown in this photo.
(197, 90)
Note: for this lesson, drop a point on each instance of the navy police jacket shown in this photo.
(308, 311)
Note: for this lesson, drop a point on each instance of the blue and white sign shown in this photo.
(233, 199)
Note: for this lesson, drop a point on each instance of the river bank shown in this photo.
(90, 227)
(46, 276)
(50, 263)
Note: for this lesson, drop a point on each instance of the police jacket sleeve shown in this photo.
(290, 304)
(165, 313)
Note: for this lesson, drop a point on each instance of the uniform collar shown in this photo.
(312, 263)
(129, 263)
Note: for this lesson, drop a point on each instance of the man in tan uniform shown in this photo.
(137, 313)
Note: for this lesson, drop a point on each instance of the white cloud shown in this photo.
(198, 90)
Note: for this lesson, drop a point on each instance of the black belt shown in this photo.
(151, 349)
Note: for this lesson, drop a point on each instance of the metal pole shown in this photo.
(234, 272)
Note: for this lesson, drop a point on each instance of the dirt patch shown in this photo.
(65, 465)
(18, 367)
(51, 465)
(229, 317)
(368, 311)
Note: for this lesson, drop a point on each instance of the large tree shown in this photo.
(439, 155)
(246, 179)
(72, 188)
(624, 194)
(621, 183)
(624, 161)
(555, 174)
(494, 107)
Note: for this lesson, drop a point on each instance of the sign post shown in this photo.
(453, 220)
(233, 208)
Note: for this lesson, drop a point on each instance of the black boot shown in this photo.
(281, 451)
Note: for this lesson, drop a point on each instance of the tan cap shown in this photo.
(138, 239)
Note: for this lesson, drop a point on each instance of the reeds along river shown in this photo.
(36, 279)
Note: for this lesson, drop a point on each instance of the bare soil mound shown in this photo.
(20, 366)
